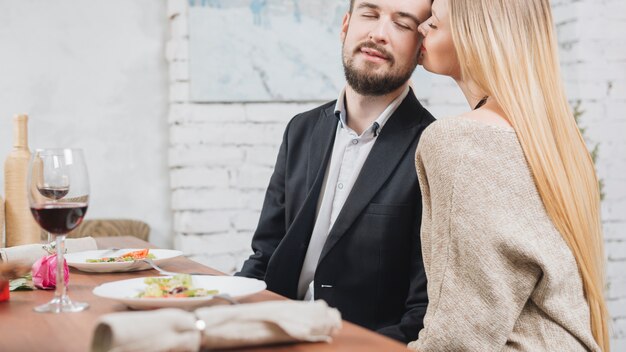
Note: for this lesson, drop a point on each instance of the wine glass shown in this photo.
(58, 208)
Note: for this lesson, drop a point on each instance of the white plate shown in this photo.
(78, 260)
(126, 291)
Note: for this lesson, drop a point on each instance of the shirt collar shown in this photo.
(379, 123)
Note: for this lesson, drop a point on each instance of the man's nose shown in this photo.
(380, 32)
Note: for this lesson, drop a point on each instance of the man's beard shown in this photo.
(371, 84)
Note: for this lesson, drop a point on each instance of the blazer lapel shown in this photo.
(396, 136)
(321, 146)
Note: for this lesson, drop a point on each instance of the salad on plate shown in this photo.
(177, 286)
(128, 257)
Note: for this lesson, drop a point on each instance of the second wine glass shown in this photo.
(58, 214)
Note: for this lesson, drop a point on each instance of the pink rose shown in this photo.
(44, 272)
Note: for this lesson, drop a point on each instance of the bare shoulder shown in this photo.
(487, 116)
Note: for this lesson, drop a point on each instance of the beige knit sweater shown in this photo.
(500, 276)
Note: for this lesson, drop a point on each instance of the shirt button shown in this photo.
(340, 186)
(355, 141)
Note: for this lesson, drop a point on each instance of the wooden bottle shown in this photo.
(21, 227)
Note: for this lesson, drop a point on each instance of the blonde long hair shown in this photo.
(509, 48)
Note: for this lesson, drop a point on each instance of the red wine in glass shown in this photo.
(59, 218)
(55, 193)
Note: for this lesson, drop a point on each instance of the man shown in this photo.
(341, 216)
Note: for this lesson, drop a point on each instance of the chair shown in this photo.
(112, 228)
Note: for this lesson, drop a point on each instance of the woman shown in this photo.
(511, 232)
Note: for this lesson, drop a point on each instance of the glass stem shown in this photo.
(50, 237)
(59, 292)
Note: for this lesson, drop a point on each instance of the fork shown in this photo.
(109, 251)
(224, 296)
(165, 272)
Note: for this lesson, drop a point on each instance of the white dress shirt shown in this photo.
(350, 151)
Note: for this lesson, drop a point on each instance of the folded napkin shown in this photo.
(217, 327)
(29, 253)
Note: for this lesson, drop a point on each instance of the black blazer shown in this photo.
(371, 264)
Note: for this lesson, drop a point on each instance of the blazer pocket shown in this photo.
(387, 209)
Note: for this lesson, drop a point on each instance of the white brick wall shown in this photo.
(91, 74)
(221, 155)
(221, 158)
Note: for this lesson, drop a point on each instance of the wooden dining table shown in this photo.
(22, 329)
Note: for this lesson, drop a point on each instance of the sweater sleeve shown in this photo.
(482, 269)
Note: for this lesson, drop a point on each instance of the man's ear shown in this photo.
(344, 26)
